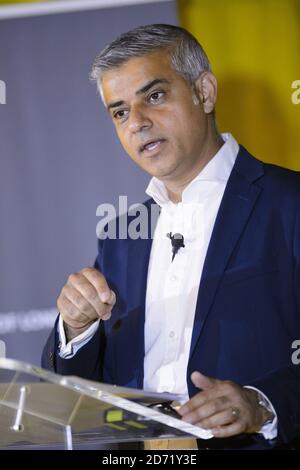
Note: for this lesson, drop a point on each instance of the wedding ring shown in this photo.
(235, 412)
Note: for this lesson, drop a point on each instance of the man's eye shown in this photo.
(154, 97)
(121, 114)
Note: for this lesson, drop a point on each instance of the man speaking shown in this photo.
(214, 318)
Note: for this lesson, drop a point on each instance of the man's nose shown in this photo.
(138, 120)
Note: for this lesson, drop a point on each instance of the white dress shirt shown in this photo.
(172, 287)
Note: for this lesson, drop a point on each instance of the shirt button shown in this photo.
(171, 334)
(173, 278)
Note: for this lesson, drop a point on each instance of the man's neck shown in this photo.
(176, 188)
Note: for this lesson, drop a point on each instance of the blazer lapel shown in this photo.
(237, 204)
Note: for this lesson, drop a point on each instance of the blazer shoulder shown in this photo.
(276, 175)
(283, 180)
(281, 186)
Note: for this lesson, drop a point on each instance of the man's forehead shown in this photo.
(153, 60)
(135, 73)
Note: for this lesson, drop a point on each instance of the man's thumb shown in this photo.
(202, 381)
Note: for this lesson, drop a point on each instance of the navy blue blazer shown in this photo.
(248, 307)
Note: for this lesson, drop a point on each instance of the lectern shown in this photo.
(43, 410)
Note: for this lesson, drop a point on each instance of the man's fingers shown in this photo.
(211, 388)
(111, 299)
(87, 297)
(230, 430)
(77, 298)
(99, 282)
(197, 409)
(72, 315)
(106, 316)
(111, 302)
(222, 406)
(214, 389)
(221, 418)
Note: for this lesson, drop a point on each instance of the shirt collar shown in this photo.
(218, 169)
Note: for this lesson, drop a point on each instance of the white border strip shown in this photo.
(64, 6)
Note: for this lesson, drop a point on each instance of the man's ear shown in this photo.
(206, 90)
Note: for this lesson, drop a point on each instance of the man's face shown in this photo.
(158, 123)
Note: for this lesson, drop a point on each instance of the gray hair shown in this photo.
(187, 56)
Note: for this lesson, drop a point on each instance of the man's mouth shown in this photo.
(151, 146)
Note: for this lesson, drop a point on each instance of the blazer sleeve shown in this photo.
(88, 361)
(282, 386)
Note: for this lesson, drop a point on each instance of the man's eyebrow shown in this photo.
(151, 84)
(142, 90)
(115, 104)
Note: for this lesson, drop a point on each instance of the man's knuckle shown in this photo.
(112, 299)
(62, 302)
(189, 405)
(223, 400)
(199, 413)
(206, 423)
(90, 293)
(91, 272)
(228, 386)
(73, 311)
(219, 404)
(104, 310)
(88, 270)
(73, 278)
(80, 301)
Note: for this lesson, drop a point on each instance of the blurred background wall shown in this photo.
(254, 49)
(59, 156)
